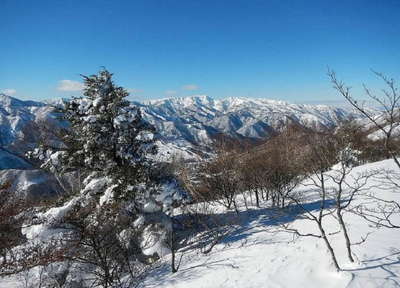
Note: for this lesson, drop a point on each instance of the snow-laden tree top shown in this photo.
(107, 132)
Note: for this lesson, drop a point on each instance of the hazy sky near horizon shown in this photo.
(161, 48)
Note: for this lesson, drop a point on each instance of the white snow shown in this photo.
(259, 254)
(151, 207)
(107, 196)
(196, 118)
(379, 134)
(53, 215)
(139, 222)
(167, 152)
(153, 242)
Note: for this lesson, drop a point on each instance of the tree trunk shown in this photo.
(396, 160)
(235, 206)
(263, 195)
(346, 235)
(245, 201)
(172, 246)
(257, 199)
(328, 245)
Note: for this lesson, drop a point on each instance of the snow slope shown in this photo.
(15, 115)
(260, 254)
(20, 124)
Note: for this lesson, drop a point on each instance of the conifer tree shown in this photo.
(125, 193)
(107, 136)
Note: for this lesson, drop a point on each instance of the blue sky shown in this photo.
(157, 48)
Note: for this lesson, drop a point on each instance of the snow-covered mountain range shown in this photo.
(20, 121)
(185, 124)
(197, 119)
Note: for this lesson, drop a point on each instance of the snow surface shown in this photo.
(379, 134)
(259, 254)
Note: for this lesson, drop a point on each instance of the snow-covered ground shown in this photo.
(258, 254)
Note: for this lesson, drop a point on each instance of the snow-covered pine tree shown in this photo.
(107, 134)
(125, 194)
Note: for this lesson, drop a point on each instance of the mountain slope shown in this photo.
(11, 161)
(258, 252)
(261, 254)
(198, 119)
(20, 122)
(186, 125)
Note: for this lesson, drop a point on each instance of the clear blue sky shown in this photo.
(274, 49)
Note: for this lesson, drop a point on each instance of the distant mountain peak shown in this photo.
(6, 100)
(196, 119)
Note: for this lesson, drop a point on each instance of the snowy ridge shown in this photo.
(185, 124)
(17, 118)
(197, 119)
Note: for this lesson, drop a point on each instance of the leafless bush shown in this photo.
(388, 121)
(222, 180)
